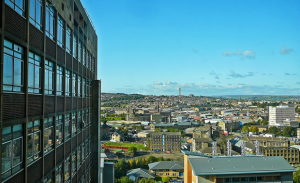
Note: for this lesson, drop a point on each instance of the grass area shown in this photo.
(138, 146)
(115, 118)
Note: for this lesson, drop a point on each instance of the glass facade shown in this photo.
(40, 101)
(36, 13)
(13, 62)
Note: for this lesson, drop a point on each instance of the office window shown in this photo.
(74, 125)
(83, 119)
(50, 21)
(33, 141)
(49, 77)
(13, 62)
(87, 117)
(36, 13)
(90, 116)
(93, 65)
(68, 83)
(90, 61)
(59, 174)
(49, 179)
(74, 46)
(34, 72)
(86, 147)
(59, 80)
(83, 152)
(79, 119)
(79, 51)
(83, 56)
(79, 86)
(60, 31)
(67, 169)
(18, 5)
(74, 84)
(90, 144)
(87, 58)
(67, 127)
(78, 157)
(83, 87)
(68, 40)
(59, 130)
(48, 134)
(11, 151)
(73, 163)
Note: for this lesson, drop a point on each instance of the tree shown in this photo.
(104, 120)
(273, 130)
(160, 158)
(156, 129)
(265, 122)
(168, 159)
(132, 149)
(251, 129)
(152, 159)
(296, 177)
(165, 179)
(245, 129)
(287, 131)
(124, 179)
(255, 129)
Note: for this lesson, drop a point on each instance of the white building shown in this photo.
(279, 114)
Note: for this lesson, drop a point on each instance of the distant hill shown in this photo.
(262, 97)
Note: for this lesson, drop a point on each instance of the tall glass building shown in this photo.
(49, 93)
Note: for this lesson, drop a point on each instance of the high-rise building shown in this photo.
(49, 93)
(280, 113)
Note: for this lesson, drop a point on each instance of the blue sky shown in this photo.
(203, 47)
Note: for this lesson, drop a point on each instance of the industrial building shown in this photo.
(165, 141)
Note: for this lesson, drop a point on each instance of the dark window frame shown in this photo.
(35, 61)
(49, 68)
(33, 20)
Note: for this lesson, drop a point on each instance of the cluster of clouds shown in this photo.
(245, 54)
(251, 54)
(172, 88)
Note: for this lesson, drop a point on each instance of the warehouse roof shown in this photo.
(166, 165)
(239, 165)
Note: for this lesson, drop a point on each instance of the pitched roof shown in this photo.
(166, 133)
(239, 165)
(139, 172)
(166, 165)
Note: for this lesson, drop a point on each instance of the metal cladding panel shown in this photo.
(84, 70)
(74, 180)
(80, 172)
(49, 104)
(35, 105)
(50, 47)
(68, 147)
(13, 105)
(79, 138)
(59, 154)
(80, 68)
(84, 103)
(15, 23)
(18, 178)
(69, 60)
(74, 103)
(60, 54)
(79, 103)
(34, 171)
(36, 37)
(69, 103)
(75, 64)
(49, 162)
(74, 143)
(60, 104)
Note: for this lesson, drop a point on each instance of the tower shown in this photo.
(179, 92)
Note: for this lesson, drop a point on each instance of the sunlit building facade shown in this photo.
(49, 124)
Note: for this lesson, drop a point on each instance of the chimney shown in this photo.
(243, 147)
(228, 148)
(214, 148)
(257, 152)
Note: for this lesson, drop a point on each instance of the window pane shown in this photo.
(18, 72)
(38, 13)
(20, 3)
(5, 153)
(30, 147)
(36, 144)
(37, 77)
(17, 151)
(30, 75)
(7, 72)
(32, 9)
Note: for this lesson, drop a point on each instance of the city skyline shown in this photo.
(204, 48)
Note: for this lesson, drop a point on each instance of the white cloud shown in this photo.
(285, 51)
(157, 83)
(228, 53)
(244, 54)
